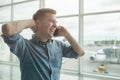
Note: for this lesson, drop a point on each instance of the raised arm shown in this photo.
(63, 32)
(17, 26)
(74, 44)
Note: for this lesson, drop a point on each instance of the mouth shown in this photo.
(52, 31)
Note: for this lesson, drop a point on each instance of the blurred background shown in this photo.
(95, 24)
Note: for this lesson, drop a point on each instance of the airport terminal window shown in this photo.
(101, 5)
(102, 43)
(29, 9)
(63, 7)
(5, 13)
(100, 35)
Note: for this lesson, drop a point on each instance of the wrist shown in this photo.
(31, 23)
(67, 35)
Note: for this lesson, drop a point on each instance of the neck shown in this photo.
(41, 38)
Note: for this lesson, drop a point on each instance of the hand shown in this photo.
(32, 25)
(61, 31)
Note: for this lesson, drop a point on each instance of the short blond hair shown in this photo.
(41, 13)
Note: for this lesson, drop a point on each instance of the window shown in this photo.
(70, 23)
(15, 70)
(4, 72)
(16, 1)
(101, 37)
(99, 21)
(63, 7)
(28, 9)
(5, 2)
(5, 13)
(68, 77)
(102, 32)
(101, 5)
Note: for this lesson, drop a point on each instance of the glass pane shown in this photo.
(14, 1)
(4, 2)
(68, 77)
(27, 33)
(71, 24)
(97, 78)
(4, 72)
(5, 13)
(15, 59)
(16, 73)
(101, 5)
(4, 50)
(73, 29)
(90, 79)
(60, 6)
(102, 43)
(25, 10)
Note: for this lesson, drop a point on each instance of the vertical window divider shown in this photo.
(11, 67)
(42, 3)
(80, 38)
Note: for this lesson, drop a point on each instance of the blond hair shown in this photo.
(41, 13)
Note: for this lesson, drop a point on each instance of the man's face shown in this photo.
(48, 25)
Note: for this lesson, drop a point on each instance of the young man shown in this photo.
(41, 57)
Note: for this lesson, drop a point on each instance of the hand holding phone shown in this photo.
(56, 32)
(60, 31)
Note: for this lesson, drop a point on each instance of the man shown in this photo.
(41, 57)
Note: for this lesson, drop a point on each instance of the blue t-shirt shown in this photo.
(38, 60)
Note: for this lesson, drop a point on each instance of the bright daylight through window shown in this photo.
(95, 24)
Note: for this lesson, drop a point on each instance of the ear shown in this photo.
(34, 28)
(37, 22)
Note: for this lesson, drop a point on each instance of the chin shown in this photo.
(50, 36)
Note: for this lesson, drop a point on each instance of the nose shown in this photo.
(55, 25)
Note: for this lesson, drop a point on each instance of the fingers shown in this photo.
(61, 28)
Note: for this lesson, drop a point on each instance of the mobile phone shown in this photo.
(56, 32)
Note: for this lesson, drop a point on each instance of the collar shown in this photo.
(39, 41)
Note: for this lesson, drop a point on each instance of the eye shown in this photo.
(53, 21)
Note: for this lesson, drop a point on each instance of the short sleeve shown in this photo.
(68, 51)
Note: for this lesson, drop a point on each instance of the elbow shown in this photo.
(5, 29)
(82, 53)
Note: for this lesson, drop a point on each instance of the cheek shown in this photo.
(46, 26)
